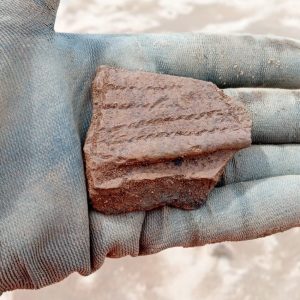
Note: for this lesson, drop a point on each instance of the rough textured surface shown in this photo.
(158, 140)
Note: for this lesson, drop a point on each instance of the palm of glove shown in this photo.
(46, 229)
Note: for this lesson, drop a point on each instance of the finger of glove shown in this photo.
(114, 235)
(235, 212)
(226, 60)
(26, 17)
(274, 120)
(262, 161)
(275, 113)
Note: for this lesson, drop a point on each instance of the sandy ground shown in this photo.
(267, 268)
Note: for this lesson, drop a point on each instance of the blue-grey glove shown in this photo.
(46, 228)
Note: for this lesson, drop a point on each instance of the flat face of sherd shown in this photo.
(142, 121)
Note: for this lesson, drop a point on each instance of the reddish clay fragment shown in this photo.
(159, 140)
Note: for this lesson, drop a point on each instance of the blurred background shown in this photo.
(267, 268)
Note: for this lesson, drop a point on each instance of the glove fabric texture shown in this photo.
(47, 230)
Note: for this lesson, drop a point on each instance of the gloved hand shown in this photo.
(47, 230)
